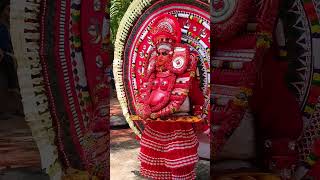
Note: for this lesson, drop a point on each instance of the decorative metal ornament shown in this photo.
(178, 62)
(222, 10)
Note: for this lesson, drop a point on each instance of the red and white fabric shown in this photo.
(168, 151)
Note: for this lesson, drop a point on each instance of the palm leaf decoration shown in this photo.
(117, 11)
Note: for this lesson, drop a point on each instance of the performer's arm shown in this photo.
(268, 15)
(180, 90)
(196, 97)
(177, 97)
(267, 19)
(148, 77)
(143, 107)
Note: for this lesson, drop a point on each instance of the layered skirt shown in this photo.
(168, 151)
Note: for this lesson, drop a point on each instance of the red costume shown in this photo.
(169, 149)
(246, 73)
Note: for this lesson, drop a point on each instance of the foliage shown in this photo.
(117, 11)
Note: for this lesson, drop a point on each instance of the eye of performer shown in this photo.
(163, 52)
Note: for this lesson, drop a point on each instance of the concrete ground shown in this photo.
(124, 164)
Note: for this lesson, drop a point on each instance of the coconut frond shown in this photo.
(117, 11)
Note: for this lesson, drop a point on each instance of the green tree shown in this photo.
(117, 11)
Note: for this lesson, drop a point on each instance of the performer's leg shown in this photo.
(185, 173)
(280, 121)
(182, 155)
(152, 155)
(167, 150)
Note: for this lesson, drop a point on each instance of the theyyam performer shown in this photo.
(162, 75)
(169, 149)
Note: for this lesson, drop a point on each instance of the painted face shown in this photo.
(164, 56)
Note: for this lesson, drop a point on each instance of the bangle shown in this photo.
(264, 40)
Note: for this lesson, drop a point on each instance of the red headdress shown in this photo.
(165, 29)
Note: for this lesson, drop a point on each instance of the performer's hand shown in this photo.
(143, 111)
(1, 54)
(154, 115)
(207, 132)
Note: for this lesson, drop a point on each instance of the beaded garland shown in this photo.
(59, 106)
(26, 30)
(84, 79)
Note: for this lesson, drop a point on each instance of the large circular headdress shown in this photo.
(222, 10)
(165, 27)
(228, 16)
(297, 36)
(134, 43)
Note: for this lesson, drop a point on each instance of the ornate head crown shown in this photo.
(165, 30)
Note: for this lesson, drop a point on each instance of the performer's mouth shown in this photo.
(161, 61)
